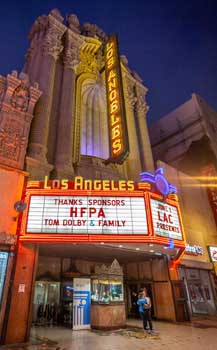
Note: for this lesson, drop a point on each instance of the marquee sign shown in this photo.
(87, 215)
(166, 220)
(100, 211)
(118, 136)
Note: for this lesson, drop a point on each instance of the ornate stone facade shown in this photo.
(71, 123)
(17, 104)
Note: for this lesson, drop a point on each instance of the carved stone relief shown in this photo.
(52, 44)
(88, 63)
(20, 98)
(18, 101)
(11, 139)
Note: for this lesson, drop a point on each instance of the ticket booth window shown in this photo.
(107, 290)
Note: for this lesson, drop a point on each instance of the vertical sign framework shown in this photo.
(118, 136)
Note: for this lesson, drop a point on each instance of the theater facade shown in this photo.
(95, 222)
(92, 245)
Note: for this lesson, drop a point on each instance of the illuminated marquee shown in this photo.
(80, 183)
(119, 147)
(166, 220)
(100, 210)
(87, 215)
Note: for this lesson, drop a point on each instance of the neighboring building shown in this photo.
(184, 141)
(186, 138)
(195, 267)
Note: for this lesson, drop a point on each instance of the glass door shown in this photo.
(67, 292)
(46, 302)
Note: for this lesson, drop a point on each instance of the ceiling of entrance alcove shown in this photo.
(92, 252)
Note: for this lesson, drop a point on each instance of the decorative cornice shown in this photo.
(73, 43)
(141, 106)
(52, 44)
(89, 56)
(72, 23)
(93, 31)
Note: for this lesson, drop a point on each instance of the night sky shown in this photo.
(171, 44)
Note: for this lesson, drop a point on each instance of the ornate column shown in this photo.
(37, 163)
(64, 146)
(141, 109)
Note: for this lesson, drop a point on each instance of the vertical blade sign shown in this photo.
(118, 136)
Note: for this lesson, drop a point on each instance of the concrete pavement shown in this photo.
(198, 335)
(169, 337)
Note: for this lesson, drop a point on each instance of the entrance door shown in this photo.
(133, 292)
(46, 302)
(81, 303)
(180, 299)
(66, 314)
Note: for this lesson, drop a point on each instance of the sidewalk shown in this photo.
(199, 335)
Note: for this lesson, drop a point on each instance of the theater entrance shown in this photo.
(65, 303)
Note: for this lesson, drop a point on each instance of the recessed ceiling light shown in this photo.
(137, 248)
(101, 242)
(151, 251)
(120, 246)
(151, 245)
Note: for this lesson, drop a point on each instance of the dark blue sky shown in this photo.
(172, 44)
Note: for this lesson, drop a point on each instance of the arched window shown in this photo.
(94, 123)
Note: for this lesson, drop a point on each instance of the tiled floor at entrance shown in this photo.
(171, 336)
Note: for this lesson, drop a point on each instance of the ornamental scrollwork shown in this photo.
(20, 98)
(71, 53)
(141, 106)
(52, 43)
(11, 140)
(88, 63)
